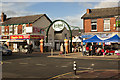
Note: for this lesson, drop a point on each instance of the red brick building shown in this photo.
(18, 31)
(101, 21)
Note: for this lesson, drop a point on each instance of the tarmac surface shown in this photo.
(43, 66)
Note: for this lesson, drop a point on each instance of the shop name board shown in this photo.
(20, 37)
(5, 37)
(36, 37)
(26, 37)
(58, 26)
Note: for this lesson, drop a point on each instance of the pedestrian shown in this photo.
(93, 49)
(61, 49)
(30, 46)
(84, 50)
(5, 45)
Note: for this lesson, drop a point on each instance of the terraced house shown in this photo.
(19, 31)
(102, 21)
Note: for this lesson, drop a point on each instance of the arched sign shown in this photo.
(59, 25)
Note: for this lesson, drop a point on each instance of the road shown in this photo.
(38, 65)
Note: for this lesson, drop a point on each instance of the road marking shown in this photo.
(64, 66)
(23, 63)
(84, 68)
(40, 64)
(7, 62)
(64, 74)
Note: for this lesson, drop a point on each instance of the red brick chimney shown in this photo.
(3, 17)
(88, 11)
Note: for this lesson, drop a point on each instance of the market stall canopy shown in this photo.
(76, 39)
(115, 38)
(93, 39)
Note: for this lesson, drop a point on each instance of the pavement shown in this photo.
(78, 55)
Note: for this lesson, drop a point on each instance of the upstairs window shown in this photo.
(11, 30)
(94, 25)
(3, 30)
(15, 29)
(118, 21)
(23, 29)
(106, 24)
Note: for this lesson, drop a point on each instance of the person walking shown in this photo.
(30, 46)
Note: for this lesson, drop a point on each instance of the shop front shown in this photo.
(18, 42)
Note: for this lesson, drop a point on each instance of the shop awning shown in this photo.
(115, 38)
(93, 39)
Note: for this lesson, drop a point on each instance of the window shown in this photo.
(118, 21)
(3, 30)
(94, 25)
(23, 29)
(11, 29)
(106, 24)
(15, 29)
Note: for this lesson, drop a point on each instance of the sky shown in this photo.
(69, 10)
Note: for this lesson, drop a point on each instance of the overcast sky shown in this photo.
(68, 10)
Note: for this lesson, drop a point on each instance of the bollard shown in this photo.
(92, 66)
(74, 67)
(51, 52)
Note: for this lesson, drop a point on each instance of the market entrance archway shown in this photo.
(68, 28)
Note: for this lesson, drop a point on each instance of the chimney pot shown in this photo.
(3, 17)
(88, 11)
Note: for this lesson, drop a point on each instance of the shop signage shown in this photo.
(36, 29)
(29, 29)
(36, 37)
(5, 37)
(20, 37)
(58, 26)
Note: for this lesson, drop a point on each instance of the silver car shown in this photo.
(5, 51)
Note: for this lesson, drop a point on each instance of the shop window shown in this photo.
(106, 24)
(94, 25)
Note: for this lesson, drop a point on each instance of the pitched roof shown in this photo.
(23, 19)
(102, 12)
(76, 32)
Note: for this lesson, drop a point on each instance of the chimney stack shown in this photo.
(88, 11)
(3, 17)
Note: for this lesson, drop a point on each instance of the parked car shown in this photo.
(5, 51)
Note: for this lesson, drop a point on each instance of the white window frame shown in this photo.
(107, 23)
(15, 29)
(10, 29)
(24, 29)
(3, 30)
(94, 24)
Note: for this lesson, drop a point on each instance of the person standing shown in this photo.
(84, 50)
(30, 46)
